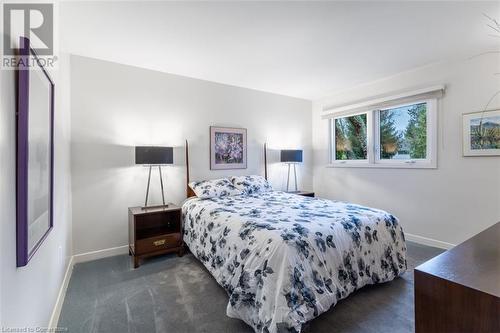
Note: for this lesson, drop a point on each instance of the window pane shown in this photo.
(350, 138)
(403, 132)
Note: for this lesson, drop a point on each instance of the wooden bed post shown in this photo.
(265, 160)
(188, 189)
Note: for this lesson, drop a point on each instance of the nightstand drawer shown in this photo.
(157, 243)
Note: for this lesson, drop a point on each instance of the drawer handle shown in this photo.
(159, 242)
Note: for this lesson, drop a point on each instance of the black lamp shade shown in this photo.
(290, 155)
(154, 155)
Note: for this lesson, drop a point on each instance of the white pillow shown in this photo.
(251, 184)
(214, 188)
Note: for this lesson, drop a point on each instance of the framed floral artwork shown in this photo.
(481, 133)
(228, 148)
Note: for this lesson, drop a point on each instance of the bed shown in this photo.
(284, 259)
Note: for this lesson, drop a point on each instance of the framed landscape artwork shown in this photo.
(228, 148)
(481, 133)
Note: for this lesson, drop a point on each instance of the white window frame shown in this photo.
(369, 143)
(373, 139)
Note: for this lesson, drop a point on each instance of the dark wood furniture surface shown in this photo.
(304, 193)
(459, 290)
(154, 231)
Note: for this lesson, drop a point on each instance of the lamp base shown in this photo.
(154, 207)
(288, 178)
(147, 191)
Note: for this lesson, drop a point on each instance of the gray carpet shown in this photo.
(171, 294)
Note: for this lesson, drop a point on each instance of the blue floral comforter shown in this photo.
(285, 259)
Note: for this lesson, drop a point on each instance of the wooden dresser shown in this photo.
(459, 290)
(154, 231)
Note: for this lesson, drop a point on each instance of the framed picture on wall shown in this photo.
(481, 133)
(35, 154)
(228, 148)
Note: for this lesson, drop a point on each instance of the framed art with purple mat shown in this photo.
(228, 148)
(35, 153)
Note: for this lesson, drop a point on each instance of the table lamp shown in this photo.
(154, 156)
(291, 157)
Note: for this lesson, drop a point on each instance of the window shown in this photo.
(394, 136)
(351, 138)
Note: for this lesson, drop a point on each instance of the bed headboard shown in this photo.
(190, 193)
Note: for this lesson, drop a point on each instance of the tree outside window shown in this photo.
(403, 132)
(351, 138)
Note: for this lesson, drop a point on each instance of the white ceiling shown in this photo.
(301, 49)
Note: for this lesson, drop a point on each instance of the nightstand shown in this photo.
(154, 231)
(304, 193)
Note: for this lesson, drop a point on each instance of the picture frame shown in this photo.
(481, 133)
(34, 154)
(228, 148)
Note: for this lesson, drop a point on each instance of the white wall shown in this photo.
(116, 107)
(458, 199)
(28, 294)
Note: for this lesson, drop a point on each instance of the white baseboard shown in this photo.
(54, 318)
(428, 241)
(99, 254)
(89, 256)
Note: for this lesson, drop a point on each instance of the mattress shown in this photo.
(284, 259)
